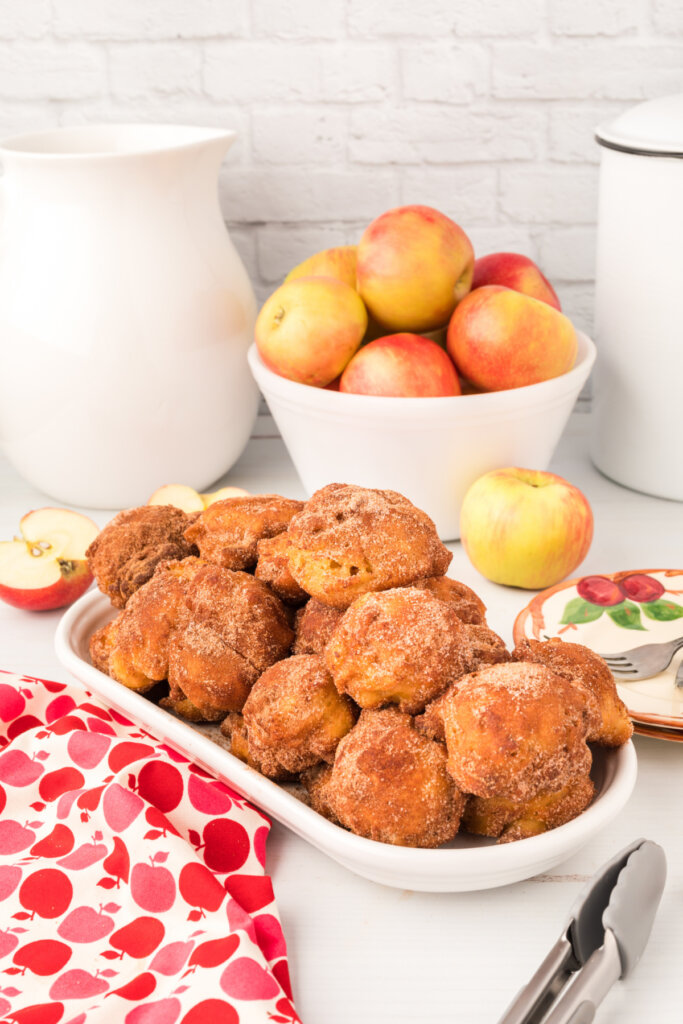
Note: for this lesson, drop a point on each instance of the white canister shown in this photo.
(637, 438)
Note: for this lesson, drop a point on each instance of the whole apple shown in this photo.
(525, 528)
(309, 328)
(414, 266)
(339, 262)
(499, 338)
(401, 365)
(512, 270)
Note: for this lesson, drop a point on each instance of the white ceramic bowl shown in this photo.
(467, 863)
(429, 449)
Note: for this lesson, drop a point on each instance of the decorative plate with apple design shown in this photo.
(619, 612)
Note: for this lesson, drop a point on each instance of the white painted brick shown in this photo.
(244, 240)
(47, 70)
(149, 19)
(499, 18)
(17, 118)
(254, 72)
(399, 18)
(466, 194)
(501, 238)
(298, 19)
(287, 195)
(354, 73)
(440, 134)
(572, 131)
(138, 69)
(667, 15)
(555, 195)
(27, 18)
(281, 247)
(568, 254)
(584, 70)
(594, 17)
(578, 302)
(447, 72)
(299, 135)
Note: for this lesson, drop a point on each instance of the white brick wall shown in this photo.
(347, 107)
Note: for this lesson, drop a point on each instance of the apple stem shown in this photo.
(279, 315)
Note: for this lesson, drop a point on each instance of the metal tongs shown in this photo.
(607, 931)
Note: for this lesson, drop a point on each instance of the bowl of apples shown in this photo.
(404, 363)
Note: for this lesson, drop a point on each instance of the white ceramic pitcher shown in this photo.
(125, 313)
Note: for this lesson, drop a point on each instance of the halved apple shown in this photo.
(46, 566)
(189, 500)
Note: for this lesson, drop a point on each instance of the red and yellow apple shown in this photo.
(401, 365)
(512, 270)
(414, 265)
(339, 262)
(189, 500)
(525, 528)
(309, 328)
(46, 566)
(499, 338)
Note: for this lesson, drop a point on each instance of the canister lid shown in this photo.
(654, 128)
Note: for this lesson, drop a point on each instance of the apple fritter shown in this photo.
(509, 820)
(515, 730)
(352, 540)
(314, 625)
(467, 605)
(126, 552)
(402, 646)
(391, 784)
(294, 716)
(234, 727)
(228, 531)
(581, 665)
(273, 568)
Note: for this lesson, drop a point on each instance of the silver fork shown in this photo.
(643, 662)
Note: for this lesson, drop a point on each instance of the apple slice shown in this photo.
(180, 495)
(46, 567)
(224, 492)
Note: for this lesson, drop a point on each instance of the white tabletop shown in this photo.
(363, 953)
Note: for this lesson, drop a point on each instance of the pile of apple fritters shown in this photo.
(330, 644)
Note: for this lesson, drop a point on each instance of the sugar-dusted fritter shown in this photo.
(487, 647)
(210, 631)
(273, 568)
(509, 820)
(294, 716)
(351, 540)
(515, 730)
(402, 646)
(467, 605)
(581, 665)
(228, 531)
(234, 727)
(314, 625)
(126, 552)
(391, 784)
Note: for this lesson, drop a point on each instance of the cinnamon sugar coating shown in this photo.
(402, 646)
(126, 552)
(509, 820)
(273, 568)
(351, 540)
(389, 783)
(234, 727)
(487, 647)
(314, 625)
(228, 531)
(581, 665)
(294, 716)
(209, 631)
(467, 605)
(515, 730)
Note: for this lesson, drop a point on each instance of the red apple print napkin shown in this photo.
(132, 884)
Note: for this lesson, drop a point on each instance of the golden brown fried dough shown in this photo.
(509, 820)
(467, 605)
(515, 730)
(352, 540)
(315, 623)
(273, 568)
(294, 716)
(315, 781)
(235, 728)
(391, 784)
(401, 646)
(487, 647)
(228, 531)
(126, 552)
(581, 665)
